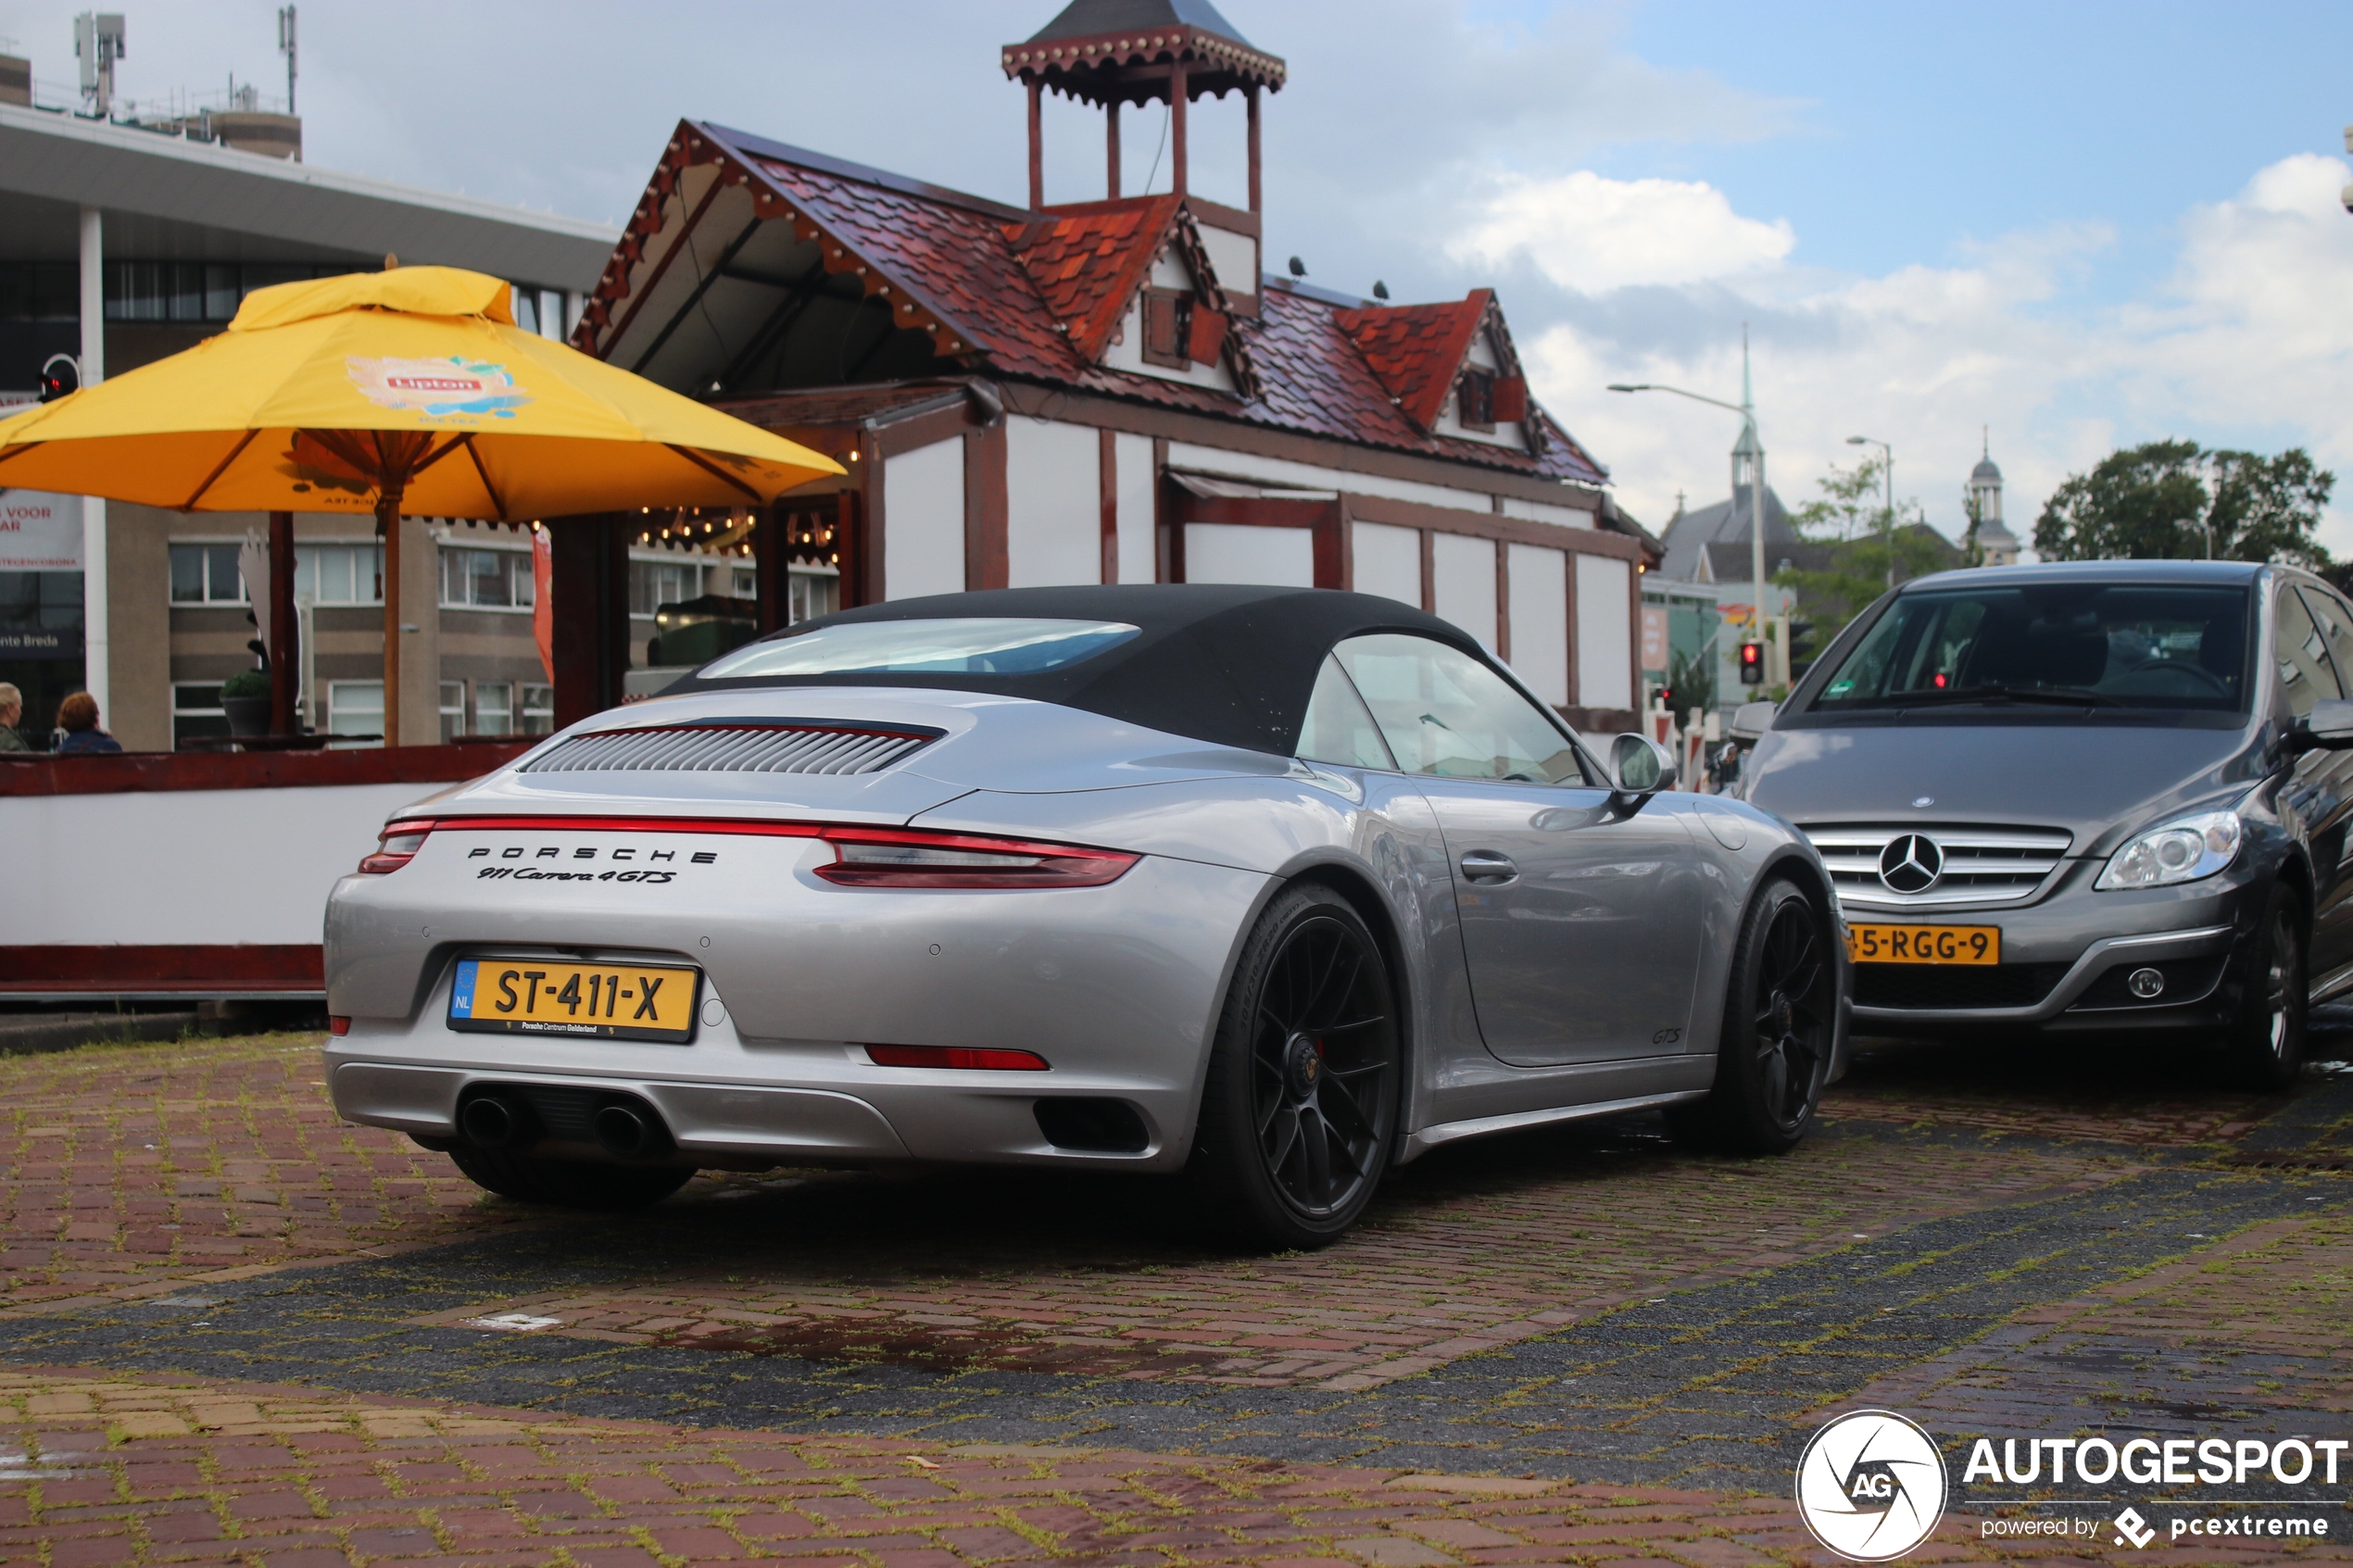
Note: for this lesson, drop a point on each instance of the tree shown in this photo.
(1852, 520)
(2165, 499)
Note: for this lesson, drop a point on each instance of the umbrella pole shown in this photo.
(388, 525)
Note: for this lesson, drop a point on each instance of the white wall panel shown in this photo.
(1139, 551)
(1463, 583)
(1605, 634)
(1233, 552)
(1539, 621)
(1053, 504)
(1544, 511)
(1308, 476)
(923, 520)
(1389, 561)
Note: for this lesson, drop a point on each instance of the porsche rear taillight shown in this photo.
(907, 858)
(395, 847)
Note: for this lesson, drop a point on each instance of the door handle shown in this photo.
(1487, 866)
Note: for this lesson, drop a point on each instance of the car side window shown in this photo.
(2337, 629)
(1339, 728)
(1445, 714)
(2302, 654)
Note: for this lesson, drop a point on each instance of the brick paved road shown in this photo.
(233, 1330)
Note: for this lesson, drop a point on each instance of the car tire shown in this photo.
(1299, 1105)
(568, 1184)
(1781, 1025)
(2263, 1046)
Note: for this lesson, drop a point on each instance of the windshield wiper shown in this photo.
(2061, 697)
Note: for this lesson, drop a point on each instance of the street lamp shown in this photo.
(1888, 474)
(1746, 410)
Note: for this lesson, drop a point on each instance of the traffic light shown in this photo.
(60, 375)
(1752, 664)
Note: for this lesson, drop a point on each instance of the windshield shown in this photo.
(975, 646)
(2057, 644)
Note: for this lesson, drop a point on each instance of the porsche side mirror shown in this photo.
(1643, 765)
(1751, 720)
(2330, 728)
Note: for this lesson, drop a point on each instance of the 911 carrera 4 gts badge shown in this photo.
(626, 867)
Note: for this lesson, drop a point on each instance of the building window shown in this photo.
(206, 574)
(539, 710)
(485, 579)
(1168, 329)
(340, 574)
(811, 596)
(356, 707)
(747, 582)
(196, 711)
(657, 582)
(180, 291)
(453, 710)
(1475, 401)
(493, 708)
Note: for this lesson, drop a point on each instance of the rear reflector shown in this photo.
(955, 1055)
(903, 857)
(338, 1024)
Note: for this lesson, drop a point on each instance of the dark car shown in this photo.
(2084, 797)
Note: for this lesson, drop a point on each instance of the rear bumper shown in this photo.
(1115, 987)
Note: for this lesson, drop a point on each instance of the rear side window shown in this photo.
(2302, 653)
(1339, 728)
(1444, 713)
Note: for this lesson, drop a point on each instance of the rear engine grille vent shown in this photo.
(734, 748)
(1975, 865)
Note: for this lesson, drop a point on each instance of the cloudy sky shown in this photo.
(2080, 224)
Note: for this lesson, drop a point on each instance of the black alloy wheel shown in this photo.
(1781, 1025)
(1301, 1102)
(2265, 1043)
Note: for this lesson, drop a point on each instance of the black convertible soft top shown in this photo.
(1225, 663)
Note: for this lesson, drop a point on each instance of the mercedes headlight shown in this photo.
(2183, 851)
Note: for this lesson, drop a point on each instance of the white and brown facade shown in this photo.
(1116, 391)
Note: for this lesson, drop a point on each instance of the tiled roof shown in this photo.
(1014, 299)
(1417, 349)
(1089, 264)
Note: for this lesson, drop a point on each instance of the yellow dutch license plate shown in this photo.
(1924, 944)
(606, 1001)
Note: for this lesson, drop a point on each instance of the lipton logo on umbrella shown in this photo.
(437, 386)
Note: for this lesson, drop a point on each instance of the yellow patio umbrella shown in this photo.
(407, 391)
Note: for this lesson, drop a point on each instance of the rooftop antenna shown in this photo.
(98, 41)
(286, 47)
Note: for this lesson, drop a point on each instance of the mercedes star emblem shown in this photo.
(1911, 863)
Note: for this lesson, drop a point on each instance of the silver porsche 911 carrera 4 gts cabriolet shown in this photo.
(1272, 887)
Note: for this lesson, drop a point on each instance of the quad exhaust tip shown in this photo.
(625, 1132)
(489, 1121)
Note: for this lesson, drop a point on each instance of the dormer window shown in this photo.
(1168, 327)
(1475, 401)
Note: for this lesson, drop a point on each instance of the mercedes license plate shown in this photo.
(606, 1001)
(1924, 944)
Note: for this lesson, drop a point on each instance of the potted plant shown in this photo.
(245, 697)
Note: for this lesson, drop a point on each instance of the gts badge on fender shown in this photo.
(648, 873)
